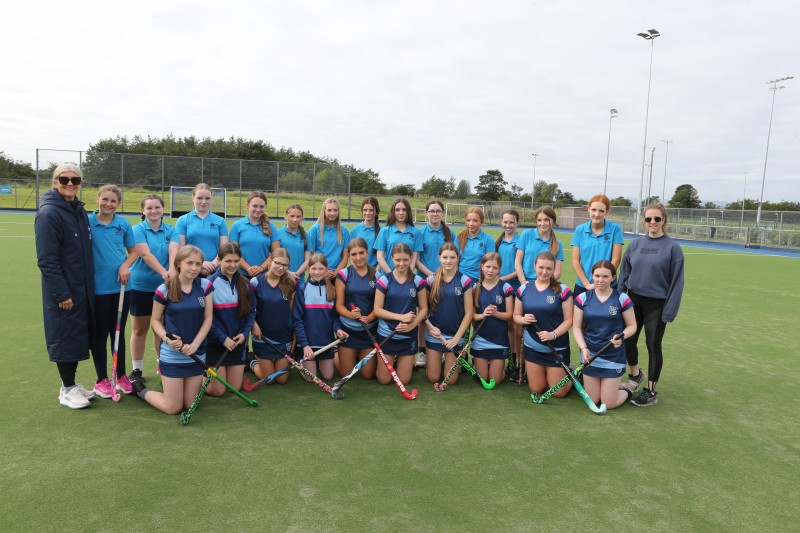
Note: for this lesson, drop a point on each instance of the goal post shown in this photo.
(456, 213)
(181, 202)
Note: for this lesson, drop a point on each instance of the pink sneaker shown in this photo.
(104, 388)
(124, 385)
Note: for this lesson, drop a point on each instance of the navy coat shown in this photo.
(64, 254)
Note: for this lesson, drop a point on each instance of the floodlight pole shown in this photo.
(650, 179)
(650, 35)
(744, 195)
(608, 150)
(664, 186)
(774, 90)
(535, 157)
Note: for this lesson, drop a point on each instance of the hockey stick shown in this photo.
(218, 378)
(461, 355)
(408, 396)
(469, 368)
(303, 370)
(115, 352)
(246, 385)
(187, 415)
(601, 410)
(552, 390)
(341, 383)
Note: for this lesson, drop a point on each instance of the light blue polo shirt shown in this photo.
(389, 236)
(329, 246)
(292, 243)
(144, 278)
(430, 243)
(474, 250)
(595, 247)
(531, 244)
(508, 254)
(368, 234)
(255, 246)
(203, 232)
(109, 246)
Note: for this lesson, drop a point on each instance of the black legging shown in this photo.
(104, 332)
(67, 372)
(648, 315)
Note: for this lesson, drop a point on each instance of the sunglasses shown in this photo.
(63, 180)
(650, 219)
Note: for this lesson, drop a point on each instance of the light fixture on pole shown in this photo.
(535, 156)
(744, 195)
(650, 179)
(664, 186)
(650, 35)
(774, 90)
(614, 113)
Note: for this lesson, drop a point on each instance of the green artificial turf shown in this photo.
(719, 452)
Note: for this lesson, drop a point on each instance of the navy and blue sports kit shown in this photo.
(183, 318)
(294, 244)
(144, 280)
(400, 298)
(545, 305)
(492, 340)
(226, 324)
(204, 233)
(358, 290)
(449, 313)
(315, 318)
(601, 321)
(274, 317)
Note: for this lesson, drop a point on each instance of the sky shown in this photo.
(419, 88)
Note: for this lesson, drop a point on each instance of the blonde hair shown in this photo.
(110, 188)
(174, 292)
(330, 292)
(66, 167)
(321, 221)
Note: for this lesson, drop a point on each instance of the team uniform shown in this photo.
(508, 254)
(491, 342)
(144, 280)
(449, 312)
(358, 290)
(315, 318)
(545, 305)
(389, 236)
(254, 245)
(184, 318)
(595, 247)
(295, 244)
(274, 317)
(327, 243)
(601, 321)
(226, 324)
(474, 250)
(429, 242)
(204, 233)
(400, 298)
(532, 244)
(368, 234)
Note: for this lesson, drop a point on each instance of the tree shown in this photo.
(516, 192)
(621, 201)
(649, 200)
(779, 206)
(491, 186)
(748, 204)
(709, 205)
(685, 196)
(404, 189)
(545, 193)
(463, 190)
(438, 187)
(565, 198)
(11, 169)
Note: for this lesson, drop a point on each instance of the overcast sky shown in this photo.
(412, 89)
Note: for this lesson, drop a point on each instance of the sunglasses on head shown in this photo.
(650, 219)
(63, 180)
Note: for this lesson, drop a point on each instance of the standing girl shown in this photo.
(203, 228)
(275, 293)
(183, 307)
(600, 314)
(474, 243)
(315, 319)
(494, 304)
(254, 234)
(652, 275)
(593, 241)
(507, 245)
(536, 240)
(451, 310)
(355, 286)
(401, 303)
(399, 228)
(234, 314)
(113, 247)
(369, 228)
(547, 303)
(329, 237)
(292, 238)
(157, 245)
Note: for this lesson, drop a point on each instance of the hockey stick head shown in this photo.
(601, 410)
(337, 395)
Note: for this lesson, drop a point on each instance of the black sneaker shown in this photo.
(136, 375)
(138, 386)
(645, 399)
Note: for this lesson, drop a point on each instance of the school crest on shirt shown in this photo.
(551, 299)
(213, 225)
(498, 299)
(458, 291)
(612, 310)
(372, 284)
(413, 292)
(284, 296)
(202, 301)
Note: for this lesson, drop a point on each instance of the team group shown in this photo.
(209, 292)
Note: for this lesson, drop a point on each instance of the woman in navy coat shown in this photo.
(64, 255)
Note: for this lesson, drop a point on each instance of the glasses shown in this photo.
(280, 265)
(435, 212)
(75, 180)
(651, 219)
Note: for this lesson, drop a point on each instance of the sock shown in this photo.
(67, 389)
(253, 364)
(142, 393)
(138, 365)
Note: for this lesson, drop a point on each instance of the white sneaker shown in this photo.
(73, 399)
(88, 394)
(422, 360)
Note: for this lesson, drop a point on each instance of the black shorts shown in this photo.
(141, 303)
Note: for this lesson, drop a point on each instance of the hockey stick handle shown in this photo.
(185, 417)
(364, 360)
(460, 356)
(303, 370)
(328, 347)
(115, 353)
(407, 395)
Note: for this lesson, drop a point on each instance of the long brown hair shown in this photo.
(550, 213)
(391, 219)
(243, 304)
(438, 276)
(371, 200)
(359, 242)
(174, 292)
(464, 235)
(489, 256)
(300, 227)
(448, 235)
(514, 213)
(264, 219)
(330, 292)
(285, 283)
(554, 283)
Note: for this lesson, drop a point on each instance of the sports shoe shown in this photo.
(88, 394)
(422, 360)
(645, 399)
(124, 385)
(635, 383)
(104, 389)
(138, 387)
(629, 386)
(136, 375)
(73, 399)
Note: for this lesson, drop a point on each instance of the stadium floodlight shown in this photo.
(535, 157)
(664, 186)
(614, 113)
(650, 35)
(774, 90)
